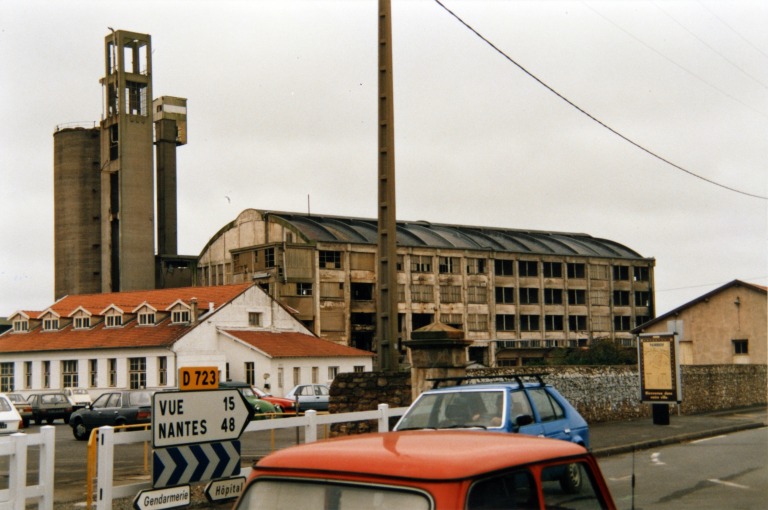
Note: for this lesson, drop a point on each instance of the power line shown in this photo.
(592, 117)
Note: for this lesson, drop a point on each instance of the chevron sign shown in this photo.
(179, 465)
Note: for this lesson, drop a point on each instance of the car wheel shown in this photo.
(49, 420)
(80, 431)
(26, 422)
(278, 408)
(66, 419)
(38, 421)
(571, 481)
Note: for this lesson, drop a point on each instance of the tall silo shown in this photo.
(77, 218)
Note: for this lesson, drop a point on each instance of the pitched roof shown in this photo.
(290, 344)
(130, 334)
(704, 297)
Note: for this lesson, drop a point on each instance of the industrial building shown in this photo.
(515, 293)
(104, 193)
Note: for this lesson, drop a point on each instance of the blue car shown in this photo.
(525, 407)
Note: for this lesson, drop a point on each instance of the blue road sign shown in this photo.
(178, 465)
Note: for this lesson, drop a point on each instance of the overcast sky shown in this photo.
(282, 116)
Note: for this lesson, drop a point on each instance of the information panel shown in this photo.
(659, 367)
(198, 378)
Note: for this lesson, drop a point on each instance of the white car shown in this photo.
(80, 398)
(10, 419)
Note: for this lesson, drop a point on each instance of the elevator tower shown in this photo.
(127, 188)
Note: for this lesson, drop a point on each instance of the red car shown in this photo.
(285, 404)
(427, 470)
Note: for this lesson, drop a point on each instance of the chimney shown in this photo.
(193, 301)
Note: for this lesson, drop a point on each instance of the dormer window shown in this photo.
(114, 321)
(147, 319)
(50, 325)
(82, 322)
(180, 316)
(21, 326)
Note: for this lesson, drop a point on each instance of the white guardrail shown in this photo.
(106, 490)
(19, 494)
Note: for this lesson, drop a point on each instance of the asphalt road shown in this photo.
(729, 471)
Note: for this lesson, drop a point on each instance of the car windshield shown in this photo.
(484, 409)
(141, 398)
(307, 495)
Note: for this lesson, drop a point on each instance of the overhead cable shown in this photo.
(592, 117)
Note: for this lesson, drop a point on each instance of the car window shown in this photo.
(101, 401)
(5, 405)
(306, 391)
(279, 494)
(321, 390)
(547, 407)
(555, 496)
(510, 490)
(520, 405)
(114, 400)
(141, 398)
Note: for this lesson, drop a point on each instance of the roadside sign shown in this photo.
(191, 417)
(659, 366)
(198, 378)
(225, 488)
(195, 463)
(157, 499)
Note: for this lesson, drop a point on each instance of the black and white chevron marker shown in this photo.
(178, 465)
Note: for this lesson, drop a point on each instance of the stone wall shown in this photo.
(600, 393)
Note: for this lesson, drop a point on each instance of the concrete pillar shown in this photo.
(437, 351)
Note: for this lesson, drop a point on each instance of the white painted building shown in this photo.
(141, 338)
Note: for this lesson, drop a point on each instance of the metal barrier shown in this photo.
(106, 441)
(18, 493)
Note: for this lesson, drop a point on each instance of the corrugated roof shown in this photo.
(324, 228)
(294, 345)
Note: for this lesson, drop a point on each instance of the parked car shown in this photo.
(282, 405)
(259, 407)
(438, 470)
(127, 407)
(22, 406)
(531, 408)
(309, 396)
(50, 406)
(79, 397)
(10, 419)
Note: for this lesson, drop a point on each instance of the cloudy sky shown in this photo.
(282, 116)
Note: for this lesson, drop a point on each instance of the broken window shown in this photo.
(529, 296)
(332, 290)
(577, 297)
(553, 322)
(477, 294)
(577, 322)
(642, 298)
(621, 298)
(621, 323)
(421, 263)
(303, 289)
(528, 268)
(449, 265)
(422, 294)
(475, 266)
(477, 322)
(553, 296)
(505, 322)
(641, 274)
(504, 267)
(450, 293)
(576, 270)
(529, 323)
(362, 291)
(505, 295)
(620, 273)
(330, 259)
(553, 270)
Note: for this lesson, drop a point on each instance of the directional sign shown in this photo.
(192, 417)
(227, 488)
(195, 463)
(156, 499)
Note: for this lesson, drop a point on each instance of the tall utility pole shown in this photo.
(386, 320)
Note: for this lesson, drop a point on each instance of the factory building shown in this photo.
(516, 294)
(104, 193)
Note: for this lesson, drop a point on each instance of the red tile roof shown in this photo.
(162, 334)
(295, 345)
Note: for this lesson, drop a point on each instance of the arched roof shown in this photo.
(337, 229)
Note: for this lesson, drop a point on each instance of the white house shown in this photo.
(141, 338)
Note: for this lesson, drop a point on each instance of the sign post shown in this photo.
(659, 364)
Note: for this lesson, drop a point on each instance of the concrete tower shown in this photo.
(127, 188)
(76, 211)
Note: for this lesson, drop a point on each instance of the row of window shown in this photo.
(528, 322)
(110, 321)
(70, 374)
(332, 372)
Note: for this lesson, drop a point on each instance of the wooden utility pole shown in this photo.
(386, 320)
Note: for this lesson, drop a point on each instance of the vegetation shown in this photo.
(600, 352)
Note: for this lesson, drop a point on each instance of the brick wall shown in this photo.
(600, 393)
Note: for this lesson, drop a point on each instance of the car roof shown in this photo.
(486, 386)
(422, 454)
